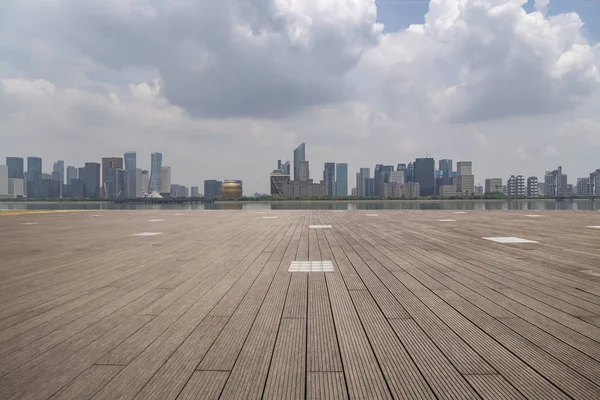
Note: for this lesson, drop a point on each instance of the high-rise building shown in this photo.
(15, 167)
(424, 170)
(303, 171)
(329, 179)
(341, 179)
(91, 180)
(109, 162)
(410, 172)
(299, 156)
(493, 185)
(278, 178)
(285, 167)
(16, 187)
(194, 191)
(58, 172)
(396, 177)
(155, 172)
(130, 159)
(465, 180)
(34, 176)
(555, 183)
(3, 181)
(165, 179)
(212, 188)
(370, 187)
(595, 183)
(145, 181)
(115, 183)
(365, 173)
(71, 174)
(583, 187)
(446, 167)
(447, 190)
(515, 186)
(356, 190)
(133, 183)
(532, 186)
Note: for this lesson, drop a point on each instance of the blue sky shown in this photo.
(399, 14)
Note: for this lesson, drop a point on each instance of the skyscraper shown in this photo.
(130, 160)
(59, 172)
(155, 171)
(446, 166)
(365, 173)
(555, 183)
(15, 167)
(34, 176)
(329, 179)
(303, 171)
(165, 179)
(109, 162)
(115, 183)
(194, 191)
(299, 155)
(3, 181)
(145, 181)
(341, 179)
(515, 186)
(424, 170)
(71, 174)
(91, 180)
(285, 167)
(465, 180)
(212, 188)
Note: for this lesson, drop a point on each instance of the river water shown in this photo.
(324, 205)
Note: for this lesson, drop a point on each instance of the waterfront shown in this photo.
(321, 205)
(165, 304)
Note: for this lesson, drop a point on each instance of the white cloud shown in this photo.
(224, 88)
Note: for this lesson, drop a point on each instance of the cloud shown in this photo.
(224, 88)
(478, 60)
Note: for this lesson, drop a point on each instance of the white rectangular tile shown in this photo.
(509, 239)
(29, 223)
(148, 234)
(594, 227)
(372, 215)
(460, 212)
(320, 226)
(311, 266)
(446, 220)
(155, 220)
(534, 215)
(269, 217)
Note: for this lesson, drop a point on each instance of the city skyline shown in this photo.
(130, 159)
(356, 83)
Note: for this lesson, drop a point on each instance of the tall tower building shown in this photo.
(365, 173)
(299, 156)
(130, 159)
(4, 181)
(155, 171)
(71, 174)
(465, 180)
(91, 180)
(15, 167)
(424, 174)
(532, 186)
(329, 179)
(341, 179)
(34, 176)
(145, 181)
(446, 166)
(59, 172)
(303, 171)
(165, 179)
(109, 162)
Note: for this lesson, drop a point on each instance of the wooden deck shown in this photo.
(416, 308)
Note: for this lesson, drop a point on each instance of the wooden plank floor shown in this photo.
(416, 308)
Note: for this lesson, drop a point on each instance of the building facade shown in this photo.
(145, 181)
(583, 187)
(3, 181)
(34, 177)
(15, 168)
(71, 174)
(155, 172)
(493, 185)
(194, 192)
(515, 186)
(91, 180)
(341, 179)
(165, 179)
(115, 183)
(299, 156)
(365, 173)
(109, 162)
(555, 183)
(447, 190)
(424, 174)
(130, 160)
(303, 171)
(446, 167)
(329, 179)
(532, 186)
(595, 183)
(465, 180)
(277, 180)
(212, 188)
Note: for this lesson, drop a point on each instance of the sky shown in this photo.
(226, 88)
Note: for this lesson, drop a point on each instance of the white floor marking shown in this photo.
(311, 266)
(339, 210)
(509, 239)
(269, 217)
(534, 215)
(148, 234)
(179, 214)
(320, 227)
(29, 223)
(460, 212)
(372, 215)
(261, 212)
(96, 215)
(446, 220)
(155, 220)
(594, 227)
